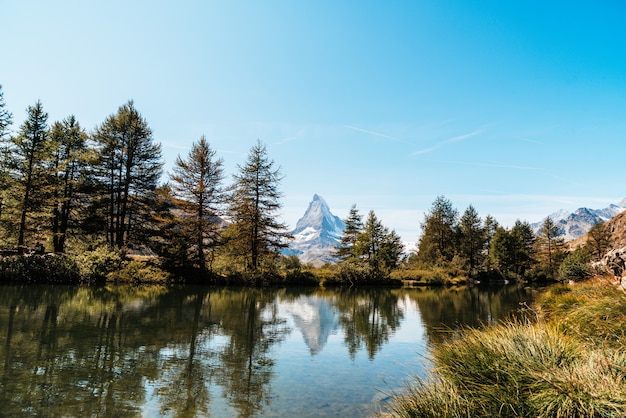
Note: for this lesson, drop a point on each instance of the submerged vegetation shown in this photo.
(570, 362)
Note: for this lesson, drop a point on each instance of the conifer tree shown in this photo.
(29, 151)
(550, 245)
(67, 166)
(354, 227)
(197, 187)
(437, 242)
(6, 118)
(599, 240)
(127, 172)
(490, 226)
(472, 238)
(255, 232)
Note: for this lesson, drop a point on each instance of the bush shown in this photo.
(50, 268)
(96, 265)
(136, 272)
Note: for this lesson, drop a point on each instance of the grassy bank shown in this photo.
(571, 362)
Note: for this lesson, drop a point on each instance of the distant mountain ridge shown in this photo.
(578, 223)
(317, 234)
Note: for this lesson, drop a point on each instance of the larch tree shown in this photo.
(438, 239)
(550, 245)
(6, 120)
(67, 165)
(524, 246)
(599, 240)
(354, 227)
(200, 197)
(377, 247)
(127, 172)
(490, 226)
(472, 238)
(29, 151)
(255, 233)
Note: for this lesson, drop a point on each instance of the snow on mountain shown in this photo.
(578, 223)
(317, 234)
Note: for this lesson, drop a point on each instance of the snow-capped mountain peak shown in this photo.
(317, 233)
(579, 222)
(319, 217)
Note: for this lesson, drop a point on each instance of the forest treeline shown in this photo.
(97, 197)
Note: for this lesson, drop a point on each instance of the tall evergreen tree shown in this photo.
(472, 238)
(29, 151)
(69, 142)
(127, 172)
(255, 232)
(599, 240)
(523, 250)
(490, 226)
(354, 227)
(377, 247)
(550, 245)
(197, 186)
(6, 118)
(437, 242)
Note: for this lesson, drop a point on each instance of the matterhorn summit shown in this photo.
(317, 234)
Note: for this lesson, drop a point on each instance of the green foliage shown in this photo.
(96, 265)
(137, 272)
(31, 269)
(255, 234)
(126, 174)
(438, 239)
(576, 265)
(199, 198)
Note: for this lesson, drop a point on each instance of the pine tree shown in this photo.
(197, 187)
(472, 238)
(490, 226)
(438, 239)
(354, 227)
(599, 240)
(378, 248)
(6, 118)
(29, 151)
(550, 245)
(524, 243)
(67, 166)
(255, 232)
(127, 173)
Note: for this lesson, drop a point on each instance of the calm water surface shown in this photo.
(195, 352)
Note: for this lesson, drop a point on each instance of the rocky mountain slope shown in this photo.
(575, 225)
(317, 234)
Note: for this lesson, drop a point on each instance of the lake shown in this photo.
(224, 352)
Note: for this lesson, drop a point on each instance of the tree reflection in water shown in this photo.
(198, 351)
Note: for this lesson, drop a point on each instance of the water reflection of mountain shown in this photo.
(315, 318)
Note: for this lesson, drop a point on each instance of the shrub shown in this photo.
(134, 271)
(50, 268)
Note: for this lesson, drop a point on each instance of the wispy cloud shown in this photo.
(354, 128)
(452, 140)
(498, 165)
(378, 134)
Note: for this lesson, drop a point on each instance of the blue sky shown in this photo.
(518, 108)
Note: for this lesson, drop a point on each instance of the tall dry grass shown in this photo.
(570, 363)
